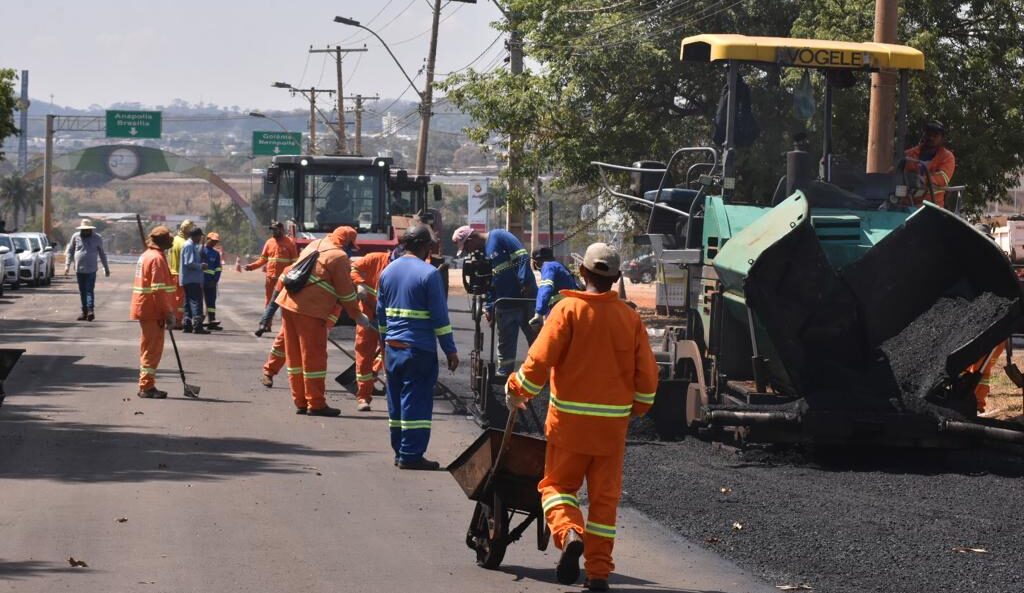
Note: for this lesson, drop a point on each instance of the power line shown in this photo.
(476, 59)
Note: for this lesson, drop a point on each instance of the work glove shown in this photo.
(362, 294)
(536, 322)
(512, 400)
(364, 322)
(170, 320)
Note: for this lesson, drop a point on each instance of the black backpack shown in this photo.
(297, 277)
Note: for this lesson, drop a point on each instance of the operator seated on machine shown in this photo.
(339, 201)
(933, 163)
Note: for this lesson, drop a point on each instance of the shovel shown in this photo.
(1012, 371)
(190, 390)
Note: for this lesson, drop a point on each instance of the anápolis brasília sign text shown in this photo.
(133, 124)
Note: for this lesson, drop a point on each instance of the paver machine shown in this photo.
(833, 311)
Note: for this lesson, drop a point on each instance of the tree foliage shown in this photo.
(8, 103)
(604, 82)
(19, 197)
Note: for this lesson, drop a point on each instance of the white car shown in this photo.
(41, 247)
(29, 263)
(10, 263)
(3, 277)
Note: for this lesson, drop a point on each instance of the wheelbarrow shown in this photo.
(500, 472)
(8, 358)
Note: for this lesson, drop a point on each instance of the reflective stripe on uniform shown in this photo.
(286, 260)
(147, 371)
(314, 374)
(369, 289)
(294, 370)
(443, 331)
(382, 329)
(546, 283)
(558, 499)
(531, 387)
(277, 353)
(408, 313)
(585, 409)
(644, 398)
(600, 529)
(409, 424)
(365, 378)
(555, 298)
(513, 260)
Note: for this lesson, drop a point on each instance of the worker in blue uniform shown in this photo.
(211, 257)
(511, 278)
(554, 278)
(412, 317)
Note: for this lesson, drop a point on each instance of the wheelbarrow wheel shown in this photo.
(474, 533)
(490, 549)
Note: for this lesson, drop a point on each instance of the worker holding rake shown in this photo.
(153, 306)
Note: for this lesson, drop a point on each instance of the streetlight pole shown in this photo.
(261, 115)
(310, 95)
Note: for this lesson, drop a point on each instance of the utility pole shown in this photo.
(23, 105)
(426, 103)
(337, 51)
(359, 118)
(310, 95)
(883, 94)
(514, 215)
(48, 178)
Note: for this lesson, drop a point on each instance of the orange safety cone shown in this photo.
(238, 264)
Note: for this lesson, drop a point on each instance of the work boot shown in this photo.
(83, 316)
(420, 464)
(89, 316)
(362, 406)
(324, 411)
(187, 329)
(214, 326)
(597, 584)
(199, 329)
(267, 381)
(301, 411)
(152, 393)
(568, 570)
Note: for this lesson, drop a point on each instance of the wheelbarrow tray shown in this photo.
(522, 468)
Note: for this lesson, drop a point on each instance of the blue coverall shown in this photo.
(412, 316)
(191, 275)
(512, 277)
(554, 278)
(211, 257)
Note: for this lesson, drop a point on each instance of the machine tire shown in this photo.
(16, 284)
(646, 277)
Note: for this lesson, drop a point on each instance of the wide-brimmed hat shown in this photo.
(212, 237)
(85, 226)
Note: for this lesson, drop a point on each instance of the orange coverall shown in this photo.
(985, 385)
(940, 171)
(595, 350)
(277, 255)
(305, 317)
(152, 301)
(275, 360)
(366, 272)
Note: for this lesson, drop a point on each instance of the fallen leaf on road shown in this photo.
(800, 587)
(319, 474)
(161, 466)
(77, 563)
(712, 540)
(736, 526)
(122, 519)
(963, 550)
(725, 490)
(140, 413)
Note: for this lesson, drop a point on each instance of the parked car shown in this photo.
(29, 262)
(642, 269)
(10, 258)
(41, 247)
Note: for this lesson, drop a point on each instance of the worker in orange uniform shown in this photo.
(153, 307)
(304, 319)
(984, 367)
(933, 163)
(278, 253)
(174, 263)
(366, 273)
(594, 350)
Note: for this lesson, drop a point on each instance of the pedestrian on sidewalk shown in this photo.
(191, 278)
(153, 308)
(304, 317)
(174, 263)
(595, 352)
(278, 253)
(412, 316)
(211, 281)
(366, 273)
(84, 250)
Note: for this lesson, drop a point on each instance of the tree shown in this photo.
(18, 197)
(8, 103)
(236, 234)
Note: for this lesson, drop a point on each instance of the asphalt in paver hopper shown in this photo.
(875, 347)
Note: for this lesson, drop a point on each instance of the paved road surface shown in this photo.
(234, 492)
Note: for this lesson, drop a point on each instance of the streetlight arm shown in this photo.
(353, 23)
(259, 115)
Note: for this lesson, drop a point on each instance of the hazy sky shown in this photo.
(228, 52)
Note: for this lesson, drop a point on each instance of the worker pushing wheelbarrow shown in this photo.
(594, 351)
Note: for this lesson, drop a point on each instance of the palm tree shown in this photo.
(18, 196)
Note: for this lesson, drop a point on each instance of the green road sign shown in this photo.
(275, 143)
(133, 124)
